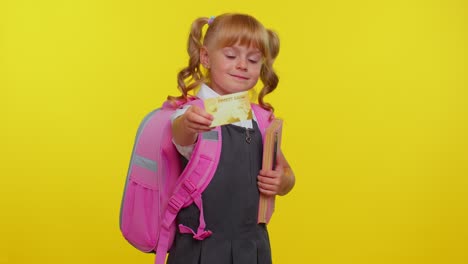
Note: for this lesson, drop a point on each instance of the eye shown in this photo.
(229, 56)
(254, 59)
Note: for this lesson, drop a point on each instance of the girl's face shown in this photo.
(232, 69)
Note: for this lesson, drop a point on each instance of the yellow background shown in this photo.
(373, 93)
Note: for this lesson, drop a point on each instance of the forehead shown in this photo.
(244, 41)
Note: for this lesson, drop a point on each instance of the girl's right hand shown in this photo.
(186, 127)
(196, 120)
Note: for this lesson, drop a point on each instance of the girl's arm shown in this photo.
(279, 181)
(186, 127)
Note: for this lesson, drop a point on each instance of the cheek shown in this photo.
(221, 66)
(256, 72)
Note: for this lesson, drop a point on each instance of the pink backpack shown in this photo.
(157, 189)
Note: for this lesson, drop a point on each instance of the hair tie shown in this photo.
(210, 20)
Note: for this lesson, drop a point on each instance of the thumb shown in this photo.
(278, 166)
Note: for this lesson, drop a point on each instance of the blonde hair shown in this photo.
(227, 30)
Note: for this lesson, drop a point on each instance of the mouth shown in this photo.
(239, 77)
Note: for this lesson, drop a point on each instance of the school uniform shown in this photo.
(230, 203)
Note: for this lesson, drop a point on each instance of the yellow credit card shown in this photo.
(229, 108)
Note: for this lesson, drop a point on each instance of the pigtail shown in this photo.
(274, 44)
(191, 76)
(267, 74)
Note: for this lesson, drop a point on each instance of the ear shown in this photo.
(204, 58)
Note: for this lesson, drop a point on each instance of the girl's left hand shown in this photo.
(279, 181)
(271, 182)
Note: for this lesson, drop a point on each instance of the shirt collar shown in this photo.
(206, 92)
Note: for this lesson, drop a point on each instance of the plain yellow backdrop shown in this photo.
(373, 94)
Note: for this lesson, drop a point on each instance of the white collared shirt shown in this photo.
(205, 92)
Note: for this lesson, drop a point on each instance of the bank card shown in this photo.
(229, 108)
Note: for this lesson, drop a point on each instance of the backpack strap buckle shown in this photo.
(174, 205)
(189, 187)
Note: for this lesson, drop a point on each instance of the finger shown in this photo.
(197, 119)
(269, 173)
(265, 173)
(279, 167)
(266, 180)
(267, 186)
(267, 191)
(198, 128)
(201, 112)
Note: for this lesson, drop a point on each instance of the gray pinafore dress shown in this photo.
(230, 204)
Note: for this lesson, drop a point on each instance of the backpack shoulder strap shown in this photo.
(192, 182)
(263, 116)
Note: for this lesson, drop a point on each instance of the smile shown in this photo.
(239, 77)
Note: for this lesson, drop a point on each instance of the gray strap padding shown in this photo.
(210, 135)
(146, 163)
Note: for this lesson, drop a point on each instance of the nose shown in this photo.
(241, 64)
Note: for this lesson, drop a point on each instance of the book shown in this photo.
(271, 151)
(272, 143)
(229, 108)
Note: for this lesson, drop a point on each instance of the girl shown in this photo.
(235, 51)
